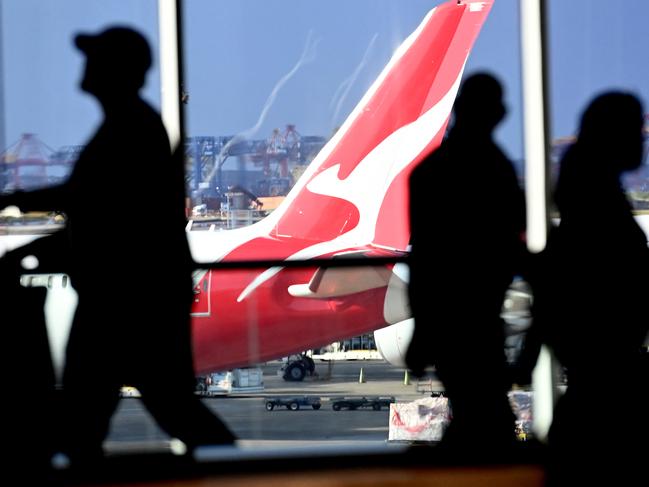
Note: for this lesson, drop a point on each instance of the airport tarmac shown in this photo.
(132, 429)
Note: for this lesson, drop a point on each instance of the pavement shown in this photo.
(133, 429)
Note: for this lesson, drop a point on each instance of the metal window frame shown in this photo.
(536, 125)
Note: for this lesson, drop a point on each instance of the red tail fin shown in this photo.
(354, 192)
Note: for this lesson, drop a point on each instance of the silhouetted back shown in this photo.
(469, 189)
(598, 246)
(467, 219)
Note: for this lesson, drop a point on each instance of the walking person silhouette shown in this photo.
(467, 220)
(590, 299)
(132, 323)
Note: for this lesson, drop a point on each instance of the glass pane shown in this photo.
(45, 122)
(276, 80)
(45, 117)
(264, 93)
(262, 76)
(594, 47)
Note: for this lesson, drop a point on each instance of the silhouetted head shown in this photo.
(611, 130)
(117, 60)
(609, 142)
(479, 105)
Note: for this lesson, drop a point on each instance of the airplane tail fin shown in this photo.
(355, 191)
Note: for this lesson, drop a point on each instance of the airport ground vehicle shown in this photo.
(293, 402)
(352, 403)
(296, 367)
(241, 380)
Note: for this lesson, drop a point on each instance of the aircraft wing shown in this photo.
(342, 281)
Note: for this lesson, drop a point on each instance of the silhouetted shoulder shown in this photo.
(433, 168)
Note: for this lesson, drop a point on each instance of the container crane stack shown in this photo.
(30, 164)
(274, 159)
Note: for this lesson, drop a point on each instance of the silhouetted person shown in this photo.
(591, 299)
(132, 270)
(467, 221)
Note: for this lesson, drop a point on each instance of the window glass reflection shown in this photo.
(268, 88)
(268, 85)
(45, 117)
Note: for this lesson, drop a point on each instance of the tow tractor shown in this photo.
(297, 367)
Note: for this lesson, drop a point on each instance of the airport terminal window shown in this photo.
(45, 120)
(267, 85)
(45, 116)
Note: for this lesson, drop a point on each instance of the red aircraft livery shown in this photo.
(352, 200)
